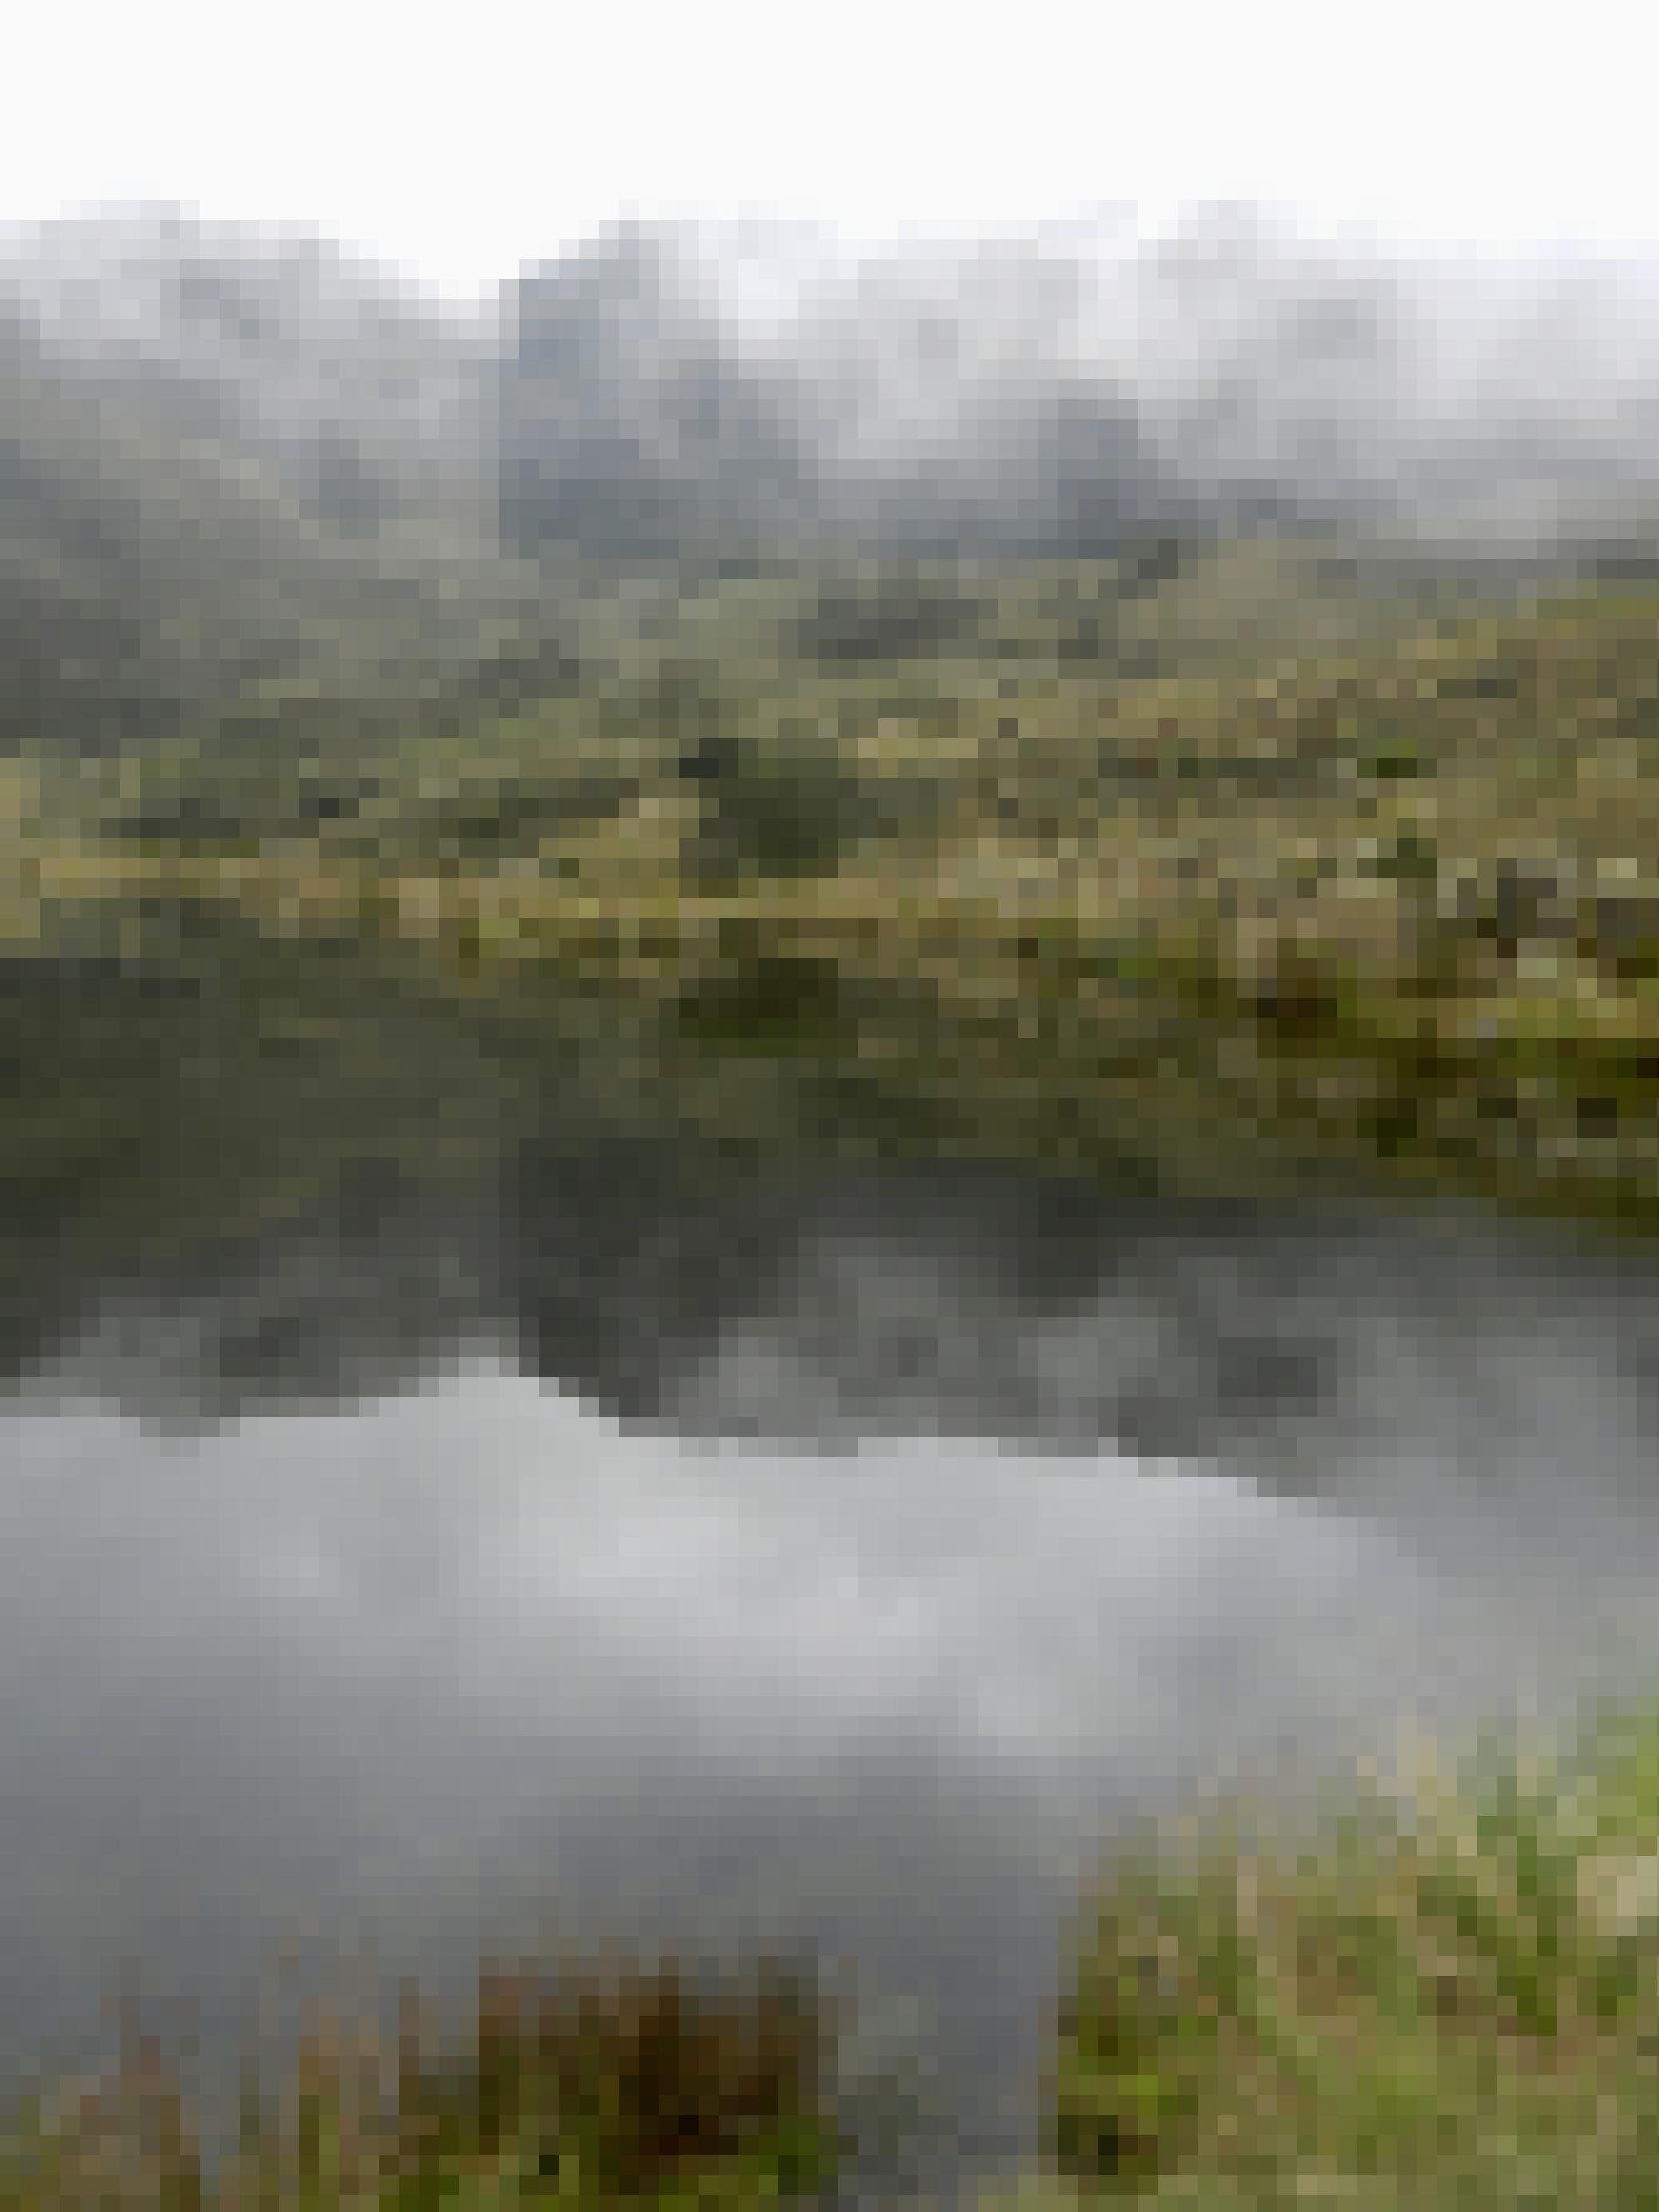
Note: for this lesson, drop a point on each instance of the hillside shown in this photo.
(1302, 838)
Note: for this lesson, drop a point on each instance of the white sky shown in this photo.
(455, 142)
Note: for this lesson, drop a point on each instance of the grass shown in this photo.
(1447, 1996)
(613, 2085)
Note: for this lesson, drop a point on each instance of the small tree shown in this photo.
(783, 806)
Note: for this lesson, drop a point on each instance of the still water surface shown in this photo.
(726, 1556)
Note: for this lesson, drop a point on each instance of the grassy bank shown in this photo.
(620, 2086)
(1388, 902)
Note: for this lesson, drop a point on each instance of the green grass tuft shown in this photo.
(1447, 1998)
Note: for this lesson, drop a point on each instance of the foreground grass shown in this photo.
(627, 2087)
(1445, 1999)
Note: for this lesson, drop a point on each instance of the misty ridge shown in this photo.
(237, 466)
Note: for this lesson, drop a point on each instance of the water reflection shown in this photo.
(719, 1553)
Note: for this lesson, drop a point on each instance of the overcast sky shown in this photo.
(458, 143)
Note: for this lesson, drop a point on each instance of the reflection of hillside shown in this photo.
(945, 1300)
(1431, 1370)
(168, 1125)
(662, 1282)
(278, 1175)
(319, 1315)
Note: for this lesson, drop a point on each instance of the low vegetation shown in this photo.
(623, 2086)
(1262, 856)
(1443, 1997)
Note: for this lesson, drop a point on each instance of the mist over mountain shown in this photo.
(241, 472)
(359, 400)
(900, 408)
(230, 478)
(1064, 395)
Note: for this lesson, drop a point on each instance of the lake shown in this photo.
(443, 1510)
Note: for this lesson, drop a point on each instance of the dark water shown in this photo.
(427, 1526)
